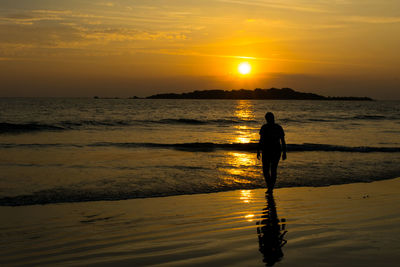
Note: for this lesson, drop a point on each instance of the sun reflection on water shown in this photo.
(249, 217)
(245, 196)
(240, 163)
(241, 169)
(244, 112)
(244, 134)
(241, 159)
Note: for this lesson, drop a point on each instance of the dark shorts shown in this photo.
(271, 155)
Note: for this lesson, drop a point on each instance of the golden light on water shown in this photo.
(241, 159)
(245, 196)
(240, 164)
(244, 112)
(243, 139)
(244, 134)
(249, 217)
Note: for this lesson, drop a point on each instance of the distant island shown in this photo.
(258, 93)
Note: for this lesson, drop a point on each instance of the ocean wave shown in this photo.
(356, 119)
(369, 117)
(179, 121)
(64, 195)
(333, 148)
(194, 121)
(15, 128)
(125, 191)
(6, 127)
(252, 147)
(73, 124)
(27, 127)
(37, 145)
(322, 120)
(209, 146)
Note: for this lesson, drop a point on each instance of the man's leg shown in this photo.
(266, 170)
(274, 167)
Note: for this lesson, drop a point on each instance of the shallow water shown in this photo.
(71, 150)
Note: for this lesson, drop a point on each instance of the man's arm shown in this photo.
(259, 145)
(283, 147)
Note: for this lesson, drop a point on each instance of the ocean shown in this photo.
(55, 150)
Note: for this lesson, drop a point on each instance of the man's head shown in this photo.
(270, 117)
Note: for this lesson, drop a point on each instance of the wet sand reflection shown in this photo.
(271, 232)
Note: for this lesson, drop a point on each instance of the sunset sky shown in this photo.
(142, 47)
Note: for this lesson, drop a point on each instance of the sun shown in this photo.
(244, 68)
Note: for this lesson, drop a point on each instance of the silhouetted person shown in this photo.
(272, 144)
(271, 233)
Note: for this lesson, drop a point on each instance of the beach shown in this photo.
(144, 133)
(342, 225)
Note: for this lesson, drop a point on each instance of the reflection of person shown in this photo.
(271, 232)
(271, 138)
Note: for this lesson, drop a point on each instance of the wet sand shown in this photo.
(346, 225)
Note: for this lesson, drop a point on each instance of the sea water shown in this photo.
(71, 149)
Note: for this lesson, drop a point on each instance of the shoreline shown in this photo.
(26, 200)
(351, 225)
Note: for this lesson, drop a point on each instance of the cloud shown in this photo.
(35, 16)
(372, 20)
(288, 24)
(278, 5)
(41, 33)
(125, 34)
(29, 18)
(192, 53)
(107, 4)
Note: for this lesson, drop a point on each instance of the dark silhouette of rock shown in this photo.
(258, 93)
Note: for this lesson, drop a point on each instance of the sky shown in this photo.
(142, 47)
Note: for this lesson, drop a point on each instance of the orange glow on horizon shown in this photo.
(86, 47)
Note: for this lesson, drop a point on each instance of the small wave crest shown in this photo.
(27, 127)
(64, 195)
(15, 128)
(179, 121)
(11, 128)
(346, 119)
(209, 147)
(369, 117)
(129, 191)
(324, 147)
(74, 124)
(194, 121)
(252, 147)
